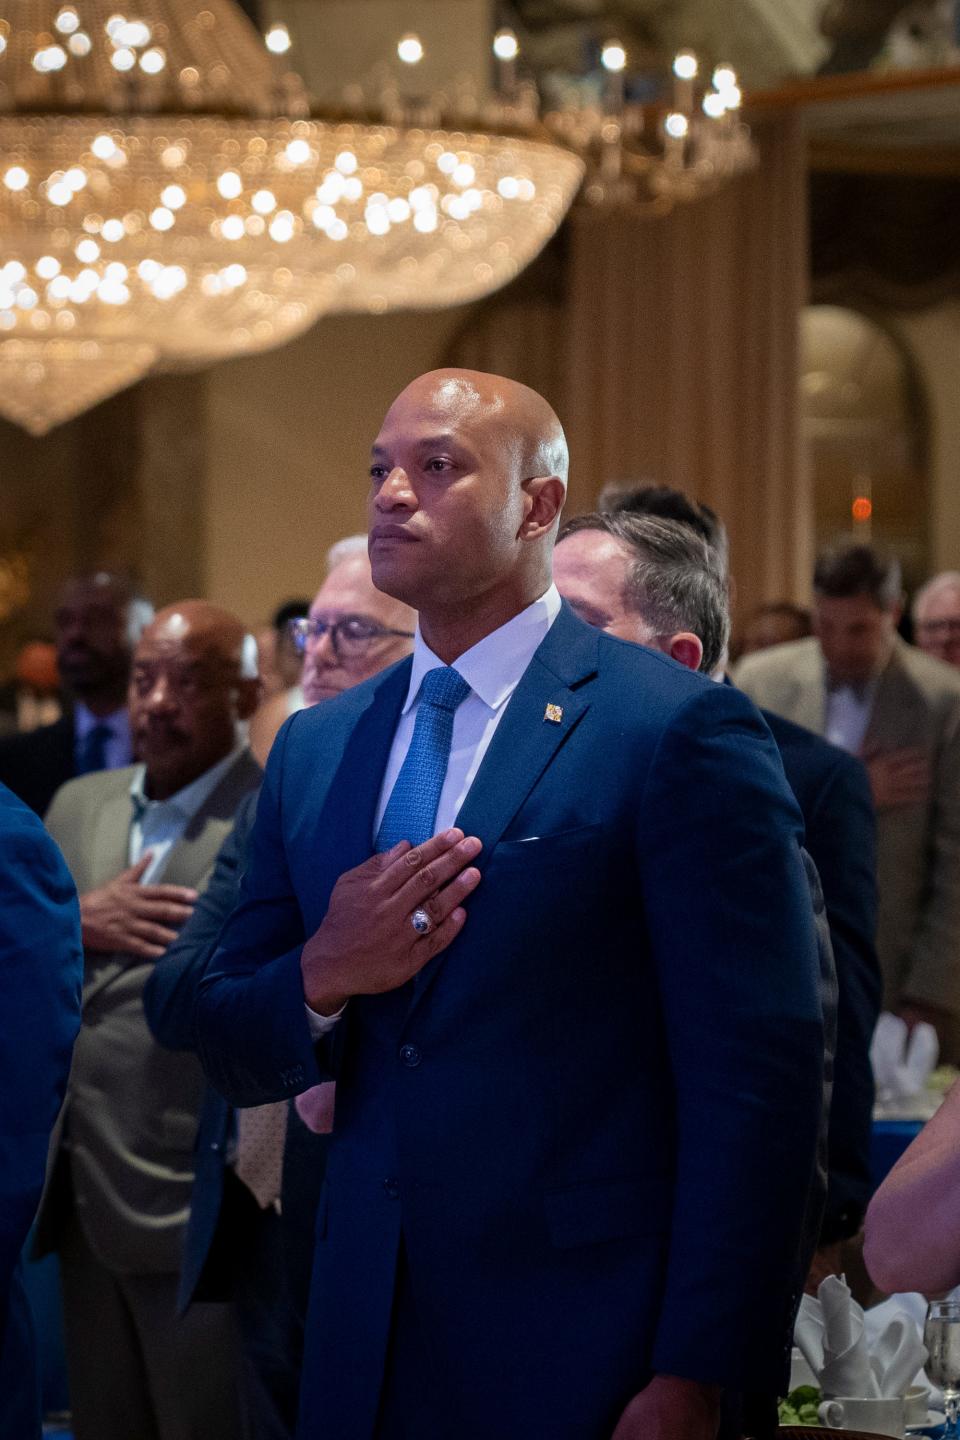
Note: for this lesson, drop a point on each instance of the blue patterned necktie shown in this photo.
(411, 811)
(92, 754)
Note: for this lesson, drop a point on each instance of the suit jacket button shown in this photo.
(410, 1056)
(391, 1189)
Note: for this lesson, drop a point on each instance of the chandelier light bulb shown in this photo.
(153, 61)
(685, 65)
(676, 125)
(16, 178)
(59, 193)
(80, 43)
(52, 57)
(410, 49)
(123, 59)
(134, 33)
(724, 77)
(714, 105)
(613, 57)
(732, 97)
(173, 196)
(114, 25)
(277, 40)
(67, 21)
(104, 146)
(230, 185)
(298, 152)
(505, 45)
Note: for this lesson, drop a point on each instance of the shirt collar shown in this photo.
(493, 667)
(188, 800)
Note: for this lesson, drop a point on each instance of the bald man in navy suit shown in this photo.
(559, 951)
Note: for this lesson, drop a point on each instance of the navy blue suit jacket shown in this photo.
(169, 999)
(593, 1119)
(41, 971)
(34, 765)
(834, 794)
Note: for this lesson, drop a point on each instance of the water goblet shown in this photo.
(941, 1335)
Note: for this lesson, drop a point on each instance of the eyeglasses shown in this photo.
(350, 636)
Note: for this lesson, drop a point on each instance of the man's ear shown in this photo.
(545, 496)
(686, 649)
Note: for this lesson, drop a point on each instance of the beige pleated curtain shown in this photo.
(670, 350)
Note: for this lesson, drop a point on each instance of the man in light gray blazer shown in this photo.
(862, 687)
(140, 844)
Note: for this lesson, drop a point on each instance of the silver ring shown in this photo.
(421, 922)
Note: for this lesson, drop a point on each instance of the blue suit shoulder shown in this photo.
(40, 982)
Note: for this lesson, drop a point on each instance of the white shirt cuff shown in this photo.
(321, 1025)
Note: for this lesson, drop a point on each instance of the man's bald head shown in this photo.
(469, 475)
(194, 683)
(524, 416)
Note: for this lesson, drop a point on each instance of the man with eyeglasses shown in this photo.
(936, 617)
(259, 1172)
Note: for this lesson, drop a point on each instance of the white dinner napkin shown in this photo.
(910, 1308)
(902, 1061)
(850, 1357)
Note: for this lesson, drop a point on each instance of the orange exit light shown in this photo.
(861, 509)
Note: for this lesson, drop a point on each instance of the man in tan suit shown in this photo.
(141, 843)
(862, 687)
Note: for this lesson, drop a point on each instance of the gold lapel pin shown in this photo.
(553, 713)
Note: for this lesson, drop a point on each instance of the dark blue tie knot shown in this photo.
(445, 688)
(92, 752)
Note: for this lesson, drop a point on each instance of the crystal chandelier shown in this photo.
(680, 148)
(166, 200)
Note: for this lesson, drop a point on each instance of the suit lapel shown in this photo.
(526, 740)
(110, 851)
(351, 803)
(196, 850)
(809, 707)
(898, 713)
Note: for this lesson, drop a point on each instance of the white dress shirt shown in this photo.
(118, 750)
(848, 715)
(493, 668)
(158, 825)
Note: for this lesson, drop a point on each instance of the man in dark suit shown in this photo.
(116, 1205)
(98, 622)
(557, 1083)
(237, 1246)
(41, 967)
(832, 787)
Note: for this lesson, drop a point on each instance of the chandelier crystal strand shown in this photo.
(166, 201)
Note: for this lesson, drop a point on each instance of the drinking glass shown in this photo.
(941, 1335)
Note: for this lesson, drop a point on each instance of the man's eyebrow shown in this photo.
(429, 442)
